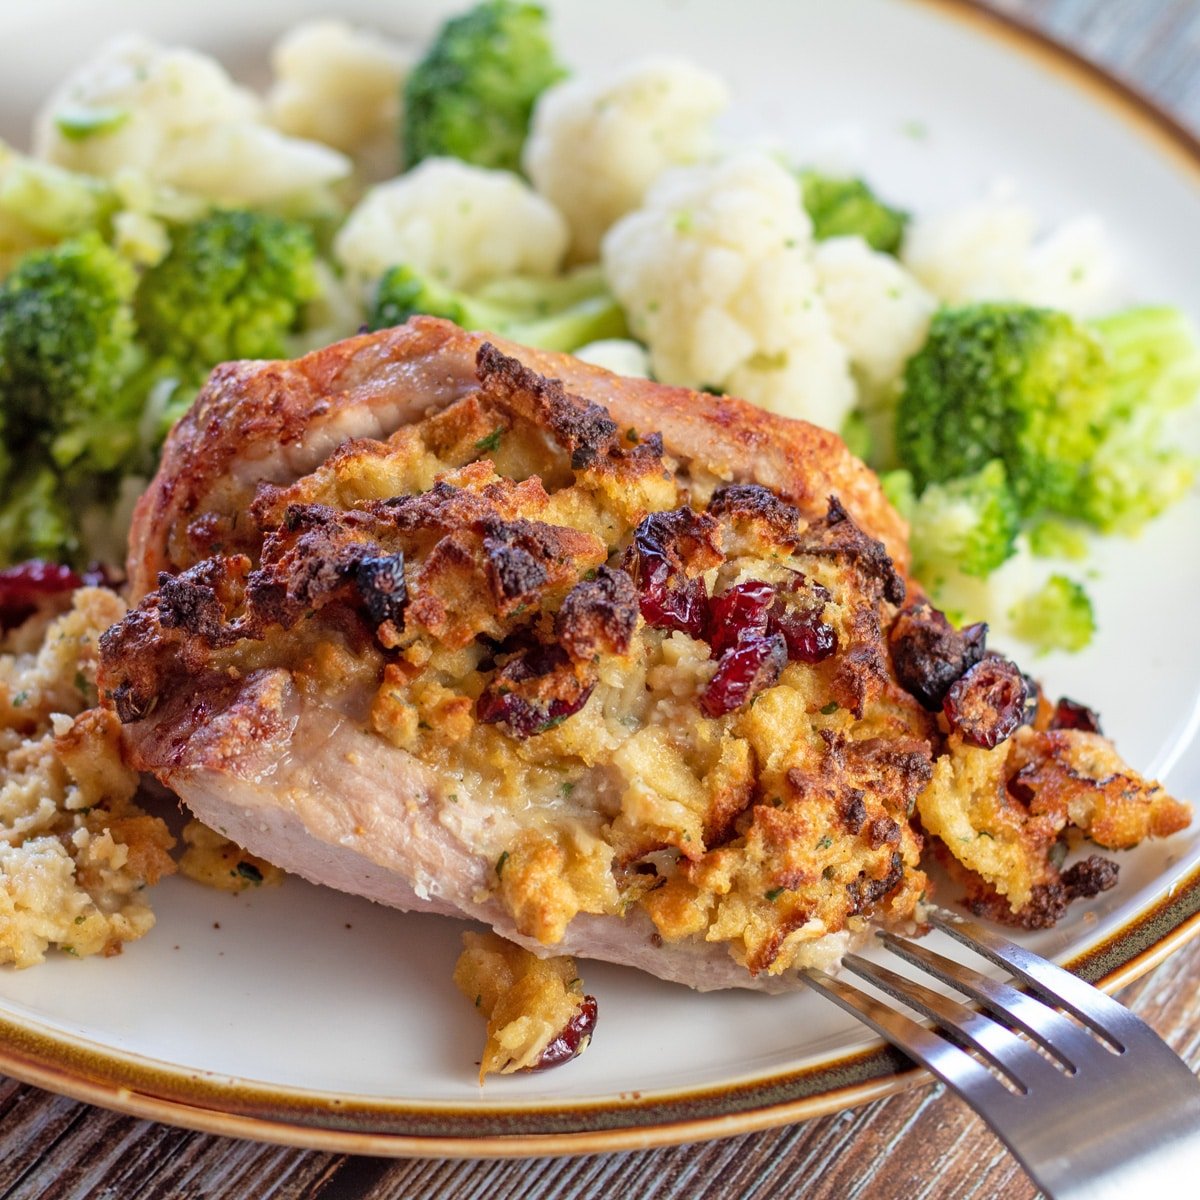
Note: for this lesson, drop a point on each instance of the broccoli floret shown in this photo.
(472, 94)
(66, 355)
(856, 433)
(70, 403)
(967, 525)
(41, 204)
(1026, 385)
(1056, 617)
(1073, 409)
(1052, 537)
(558, 314)
(1154, 358)
(35, 520)
(233, 285)
(1132, 477)
(845, 207)
(1134, 474)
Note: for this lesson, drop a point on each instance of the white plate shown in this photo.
(307, 1016)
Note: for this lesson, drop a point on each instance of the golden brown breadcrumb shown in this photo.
(536, 1011)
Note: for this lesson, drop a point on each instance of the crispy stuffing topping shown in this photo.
(701, 702)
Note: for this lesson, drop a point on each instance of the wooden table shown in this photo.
(920, 1145)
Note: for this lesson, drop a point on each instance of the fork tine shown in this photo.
(1111, 1022)
(1053, 1032)
(1122, 1125)
(1051, 982)
(954, 1067)
(1004, 1050)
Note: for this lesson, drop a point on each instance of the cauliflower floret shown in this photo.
(990, 250)
(177, 118)
(619, 355)
(1074, 268)
(463, 225)
(880, 313)
(341, 86)
(715, 274)
(595, 147)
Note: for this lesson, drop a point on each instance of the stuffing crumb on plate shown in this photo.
(75, 851)
(214, 860)
(537, 1014)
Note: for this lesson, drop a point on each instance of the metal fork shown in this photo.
(1092, 1108)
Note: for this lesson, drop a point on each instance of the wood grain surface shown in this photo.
(921, 1145)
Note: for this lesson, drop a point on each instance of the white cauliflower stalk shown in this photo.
(715, 275)
(990, 250)
(341, 86)
(176, 117)
(594, 147)
(463, 225)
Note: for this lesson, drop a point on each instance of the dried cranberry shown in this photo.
(533, 692)
(808, 638)
(23, 586)
(929, 654)
(739, 611)
(1019, 789)
(1090, 877)
(1069, 714)
(573, 1040)
(668, 599)
(380, 582)
(799, 582)
(987, 704)
(683, 607)
(752, 665)
(526, 718)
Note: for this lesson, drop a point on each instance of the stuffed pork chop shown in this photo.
(622, 670)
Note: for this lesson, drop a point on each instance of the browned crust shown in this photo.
(249, 410)
(598, 616)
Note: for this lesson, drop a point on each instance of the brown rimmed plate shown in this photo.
(305, 1017)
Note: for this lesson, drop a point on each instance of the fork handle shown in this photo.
(1119, 1156)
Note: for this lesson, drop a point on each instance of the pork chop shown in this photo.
(622, 670)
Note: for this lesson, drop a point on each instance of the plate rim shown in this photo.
(306, 1118)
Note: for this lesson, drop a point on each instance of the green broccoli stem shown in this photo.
(555, 314)
(522, 293)
(591, 320)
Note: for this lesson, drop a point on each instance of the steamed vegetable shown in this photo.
(1058, 616)
(68, 405)
(560, 314)
(233, 285)
(41, 204)
(1073, 409)
(968, 524)
(66, 354)
(472, 94)
(845, 207)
